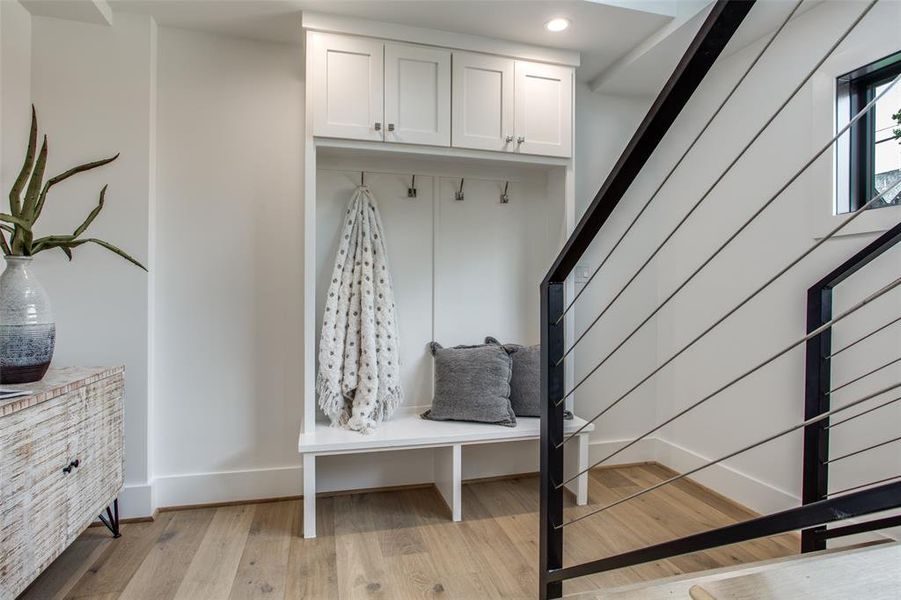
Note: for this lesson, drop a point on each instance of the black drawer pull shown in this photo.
(68, 468)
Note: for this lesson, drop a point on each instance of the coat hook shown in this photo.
(459, 194)
(411, 191)
(504, 197)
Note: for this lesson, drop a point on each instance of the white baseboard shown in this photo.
(227, 486)
(745, 489)
(253, 484)
(136, 501)
(644, 451)
(741, 487)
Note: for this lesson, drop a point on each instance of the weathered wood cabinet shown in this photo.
(61, 465)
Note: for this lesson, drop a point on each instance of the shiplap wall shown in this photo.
(461, 270)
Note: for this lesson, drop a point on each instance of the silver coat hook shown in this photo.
(411, 191)
(459, 195)
(505, 199)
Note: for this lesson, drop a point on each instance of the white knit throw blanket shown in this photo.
(358, 382)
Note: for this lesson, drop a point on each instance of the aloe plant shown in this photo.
(25, 211)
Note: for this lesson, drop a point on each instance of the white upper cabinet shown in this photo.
(367, 89)
(348, 87)
(417, 95)
(542, 119)
(482, 102)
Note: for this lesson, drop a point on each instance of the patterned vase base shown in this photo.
(25, 351)
(27, 374)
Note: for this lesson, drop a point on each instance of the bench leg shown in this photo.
(309, 495)
(449, 477)
(582, 481)
(576, 461)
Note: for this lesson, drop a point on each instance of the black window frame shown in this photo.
(856, 169)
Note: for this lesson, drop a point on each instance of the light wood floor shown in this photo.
(394, 545)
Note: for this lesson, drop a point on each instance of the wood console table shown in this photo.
(61, 465)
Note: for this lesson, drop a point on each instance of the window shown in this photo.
(870, 156)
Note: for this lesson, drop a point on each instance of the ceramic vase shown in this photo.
(27, 329)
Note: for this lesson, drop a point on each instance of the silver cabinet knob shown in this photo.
(390, 126)
(508, 139)
(378, 126)
(520, 140)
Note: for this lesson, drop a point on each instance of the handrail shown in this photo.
(818, 379)
(722, 22)
(819, 506)
(865, 256)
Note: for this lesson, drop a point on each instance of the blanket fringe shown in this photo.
(331, 401)
(337, 407)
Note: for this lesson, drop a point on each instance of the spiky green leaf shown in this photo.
(19, 222)
(75, 243)
(34, 185)
(93, 215)
(63, 176)
(15, 193)
(42, 243)
(4, 246)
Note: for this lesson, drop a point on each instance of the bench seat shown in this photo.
(408, 431)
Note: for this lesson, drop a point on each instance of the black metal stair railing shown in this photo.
(819, 506)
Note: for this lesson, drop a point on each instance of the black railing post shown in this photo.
(552, 387)
(817, 382)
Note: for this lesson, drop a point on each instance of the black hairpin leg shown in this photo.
(111, 519)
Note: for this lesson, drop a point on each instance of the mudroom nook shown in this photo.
(467, 151)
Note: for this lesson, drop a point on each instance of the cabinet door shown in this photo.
(543, 109)
(348, 86)
(97, 446)
(417, 95)
(482, 102)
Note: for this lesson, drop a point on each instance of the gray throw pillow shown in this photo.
(472, 383)
(525, 385)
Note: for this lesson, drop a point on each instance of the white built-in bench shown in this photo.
(409, 431)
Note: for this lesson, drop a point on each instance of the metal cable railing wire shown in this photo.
(867, 374)
(747, 373)
(867, 336)
(737, 232)
(721, 176)
(756, 444)
(862, 450)
(862, 413)
(688, 150)
(728, 314)
(863, 485)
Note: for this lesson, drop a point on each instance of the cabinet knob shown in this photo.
(520, 140)
(390, 126)
(508, 139)
(378, 126)
(72, 465)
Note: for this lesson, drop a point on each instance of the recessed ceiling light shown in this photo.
(558, 24)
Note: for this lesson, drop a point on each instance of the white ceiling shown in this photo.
(645, 73)
(602, 30)
(628, 47)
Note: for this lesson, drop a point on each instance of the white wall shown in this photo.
(208, 193)
(605, 124)
(91, 87)
(219, 220)
(15, 90)
(768, 478)
(228, 259)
